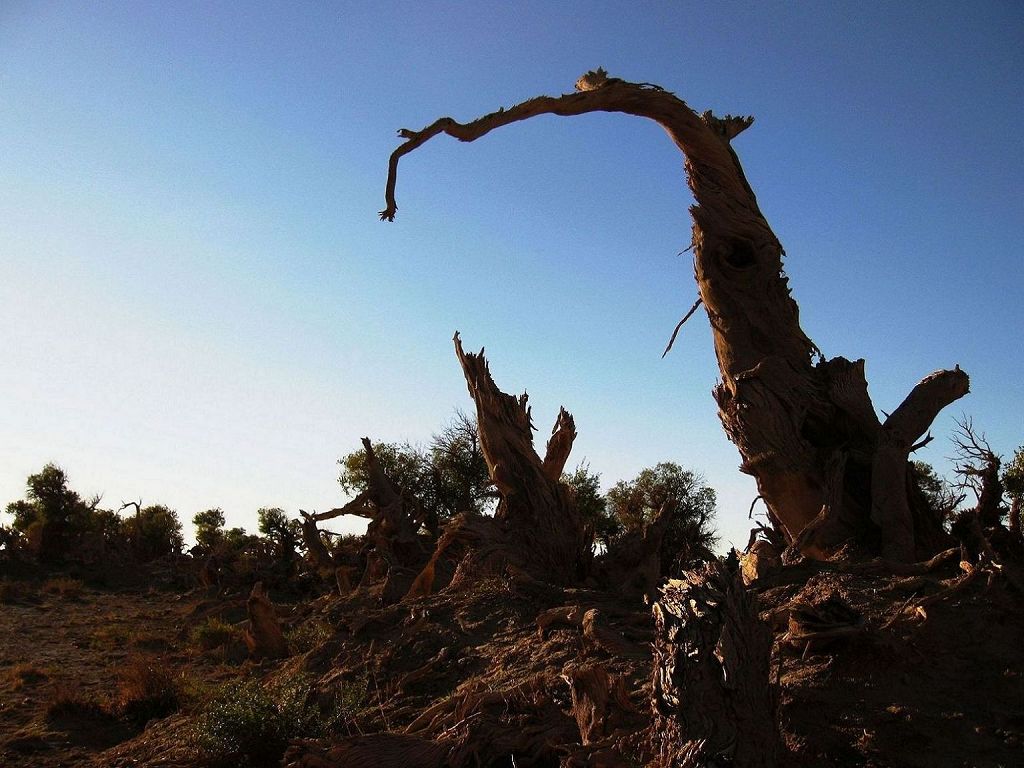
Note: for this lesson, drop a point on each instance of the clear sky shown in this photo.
(199, 307)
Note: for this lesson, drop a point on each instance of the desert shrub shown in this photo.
(250, 724)
(309, 635)
(64, 588)
(27, 674)
(214, 633)
(147, 688)
(70, 701)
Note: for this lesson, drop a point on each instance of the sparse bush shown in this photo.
(214, 633)
(27, 674)
(64, 588)
(309, 635)
(70, 701)
(147, 688)
(250, 724)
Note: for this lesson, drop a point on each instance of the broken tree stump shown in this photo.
(713, 699)
(264, 637)
(536, 532)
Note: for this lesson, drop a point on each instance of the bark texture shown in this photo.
(535, 509)
(713, 700)
(536, 527)
(805, 426)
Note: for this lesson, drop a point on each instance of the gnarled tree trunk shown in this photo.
(807, 431)
(713, 700)
(535, 508)
(536, 527)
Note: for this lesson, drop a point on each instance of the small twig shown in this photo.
(675, 333)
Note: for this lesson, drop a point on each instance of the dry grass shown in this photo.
(147, 688)
(64, 588)
(23, 675)
(70, 701)
(110, 636)
(309, 635)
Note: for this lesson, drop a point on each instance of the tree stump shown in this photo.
(713, 700)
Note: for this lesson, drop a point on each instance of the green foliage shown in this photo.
(154, 532)
(214, 633)
(250, 724)
(683, 494)
(52, 515)
(458, 468)
(55, 521)
(284, 533)
(941, 496)
(1013, 476)
(447, 477)
(585, 489)
(208, 525)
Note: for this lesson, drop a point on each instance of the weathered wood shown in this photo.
(317, 552)
(263, 637)
(590, 691)
(547, 535)
(713, 698)
(807, 432)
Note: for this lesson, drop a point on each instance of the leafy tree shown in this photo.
(585, 487)
(942, 497)
(154, 532)
(683, 494)
(447, 477)
(52, 515)
(208, 525)
(283, 532)
(1013, 483)
(404, 463)
(458, 468)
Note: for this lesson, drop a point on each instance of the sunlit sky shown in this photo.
(199, 307)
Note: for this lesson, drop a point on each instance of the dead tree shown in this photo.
(978, 469)
(805, 426)
(316, 551)
(395, 551)
(713, 700)
(536, 529)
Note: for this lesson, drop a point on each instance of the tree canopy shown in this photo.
(669, 489)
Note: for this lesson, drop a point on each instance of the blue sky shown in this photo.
(198, 305)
